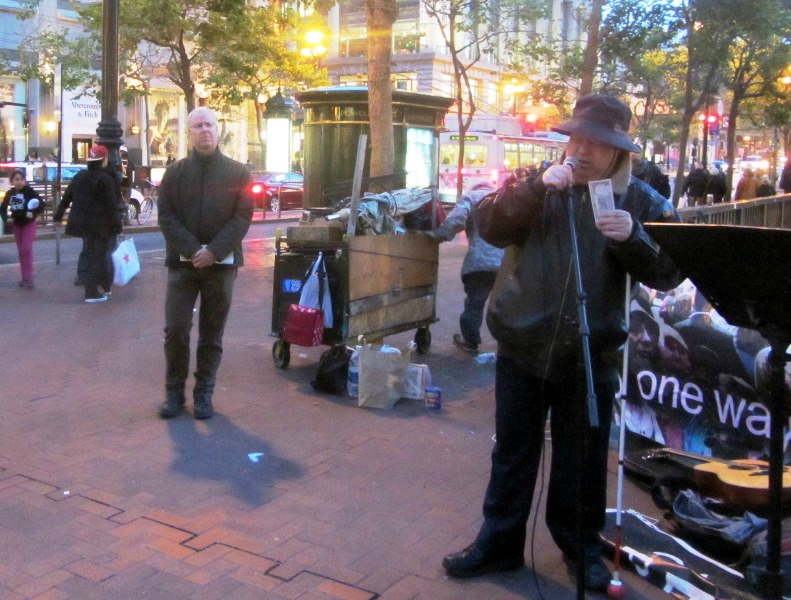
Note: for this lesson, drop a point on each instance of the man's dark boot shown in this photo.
(172, 406)
(203, 408)
(472, 562)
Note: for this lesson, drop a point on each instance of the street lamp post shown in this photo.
(314, 46)
(278, 132)
(109, 130)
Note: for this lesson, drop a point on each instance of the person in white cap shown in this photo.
(94, 196)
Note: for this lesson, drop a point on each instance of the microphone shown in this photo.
(571, 162)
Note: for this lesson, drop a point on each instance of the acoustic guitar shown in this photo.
(740, 483)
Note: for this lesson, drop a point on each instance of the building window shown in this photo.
(356, 47)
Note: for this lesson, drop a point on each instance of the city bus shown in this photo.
(490, 156)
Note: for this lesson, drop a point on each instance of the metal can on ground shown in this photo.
(434, 398)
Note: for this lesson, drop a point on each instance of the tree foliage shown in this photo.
(689, 55)
(471, 29)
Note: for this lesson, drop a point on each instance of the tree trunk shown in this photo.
(380, 15)
(592, 49)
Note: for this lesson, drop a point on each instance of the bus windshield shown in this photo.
(475, 155)
(489, 157)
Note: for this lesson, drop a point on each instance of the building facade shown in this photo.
(38, 122)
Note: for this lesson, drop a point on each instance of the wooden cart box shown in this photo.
(380, 285)
(392, 282)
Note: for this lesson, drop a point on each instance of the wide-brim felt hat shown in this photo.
(602, 118)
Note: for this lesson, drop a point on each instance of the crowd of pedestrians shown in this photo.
(702, 183)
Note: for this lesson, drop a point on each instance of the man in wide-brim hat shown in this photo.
(533, 315)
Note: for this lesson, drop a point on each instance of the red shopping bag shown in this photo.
(304, 325)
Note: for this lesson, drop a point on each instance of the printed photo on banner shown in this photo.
(696, 383)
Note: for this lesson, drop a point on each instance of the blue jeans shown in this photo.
(579, 457)
(477, 286)
(215, 287)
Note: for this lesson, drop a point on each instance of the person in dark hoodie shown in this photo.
(94, 196)
(205, 211)
(533, 315)
(24, 205)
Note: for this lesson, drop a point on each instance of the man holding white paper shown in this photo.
(205, 211)
(533, 315)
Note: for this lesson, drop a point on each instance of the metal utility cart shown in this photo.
(380, 284)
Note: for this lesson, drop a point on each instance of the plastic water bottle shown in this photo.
(486, 358)
(353, 380)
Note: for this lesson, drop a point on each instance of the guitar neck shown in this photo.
(669, 452)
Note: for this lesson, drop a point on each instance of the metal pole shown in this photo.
(56, 195)
(109, 130)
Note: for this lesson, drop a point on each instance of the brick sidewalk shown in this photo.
(285, 493)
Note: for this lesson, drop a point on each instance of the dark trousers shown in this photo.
(477, 286)
(579, 458)
(96, 259)
(214, 285)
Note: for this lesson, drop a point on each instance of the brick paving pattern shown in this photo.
(285, 494)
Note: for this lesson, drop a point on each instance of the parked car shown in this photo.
(754, 162)
(278, 191)
(35, 175)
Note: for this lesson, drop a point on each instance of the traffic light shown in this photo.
(713, 123)
(529, 123)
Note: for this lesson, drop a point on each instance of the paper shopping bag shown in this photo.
(125, 262)
(381, 375)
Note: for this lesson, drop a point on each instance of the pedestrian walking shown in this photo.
(479, 268)
(21, 207)
(747, 188)
(647, 171)
(695, 186)
(533, 315)
(717, 186)
(205, 211)
(93, 197)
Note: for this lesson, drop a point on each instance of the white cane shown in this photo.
(616, 589)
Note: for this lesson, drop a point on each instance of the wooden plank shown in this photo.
(388, 264)
(372, 303)
(351, 225)
(393, 318)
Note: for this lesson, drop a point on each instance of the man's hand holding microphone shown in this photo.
(615, 224)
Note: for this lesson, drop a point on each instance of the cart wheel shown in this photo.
(281, 354)
(423, 340)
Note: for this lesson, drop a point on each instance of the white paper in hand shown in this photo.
(601, 196)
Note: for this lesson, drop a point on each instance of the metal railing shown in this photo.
(774, 211)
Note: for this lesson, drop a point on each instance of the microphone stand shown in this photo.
(582, 314)
(592, 410)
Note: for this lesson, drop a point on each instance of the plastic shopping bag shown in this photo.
(125, 262)
(416, 379)
(304, 326)
(315, 292)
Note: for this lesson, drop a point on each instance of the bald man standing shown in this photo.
(204, 212)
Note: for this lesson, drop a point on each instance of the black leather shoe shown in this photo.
(203, 409)
(597, 575)
(472, 562)
(171, 407)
